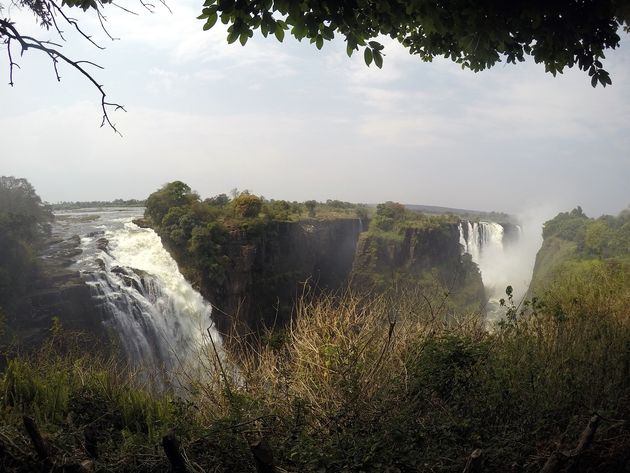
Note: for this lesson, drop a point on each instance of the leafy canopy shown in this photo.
(477, 35)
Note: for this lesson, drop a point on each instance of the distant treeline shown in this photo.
(98, 203)
(499, 217)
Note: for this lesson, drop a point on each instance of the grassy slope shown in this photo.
(357, 385)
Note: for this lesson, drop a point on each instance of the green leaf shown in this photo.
(233, 36)
(378, 59)
(349, 50)
(367, 55)
(243, 38)
(594, 81)
(212, 19)
(319, 42)
(279, 32)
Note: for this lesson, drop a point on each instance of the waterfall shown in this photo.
(160, 319)
(484, 242)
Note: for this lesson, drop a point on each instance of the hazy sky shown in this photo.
(289, 121)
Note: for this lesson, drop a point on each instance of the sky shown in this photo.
(287, 121)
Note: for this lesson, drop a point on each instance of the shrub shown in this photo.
(247, 205)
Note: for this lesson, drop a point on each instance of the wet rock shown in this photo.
(142, 222)
(102, 244)
(119, 270)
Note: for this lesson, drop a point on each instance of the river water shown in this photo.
(161, 322)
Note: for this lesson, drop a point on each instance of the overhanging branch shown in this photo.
(52, 15)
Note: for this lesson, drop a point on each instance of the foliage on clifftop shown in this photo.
(576, 243)
(406, 250)
(357, 385)
(394, 218)
(198, 229)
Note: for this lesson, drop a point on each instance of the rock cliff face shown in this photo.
(265, 277)
(428, 258)
(416, 250)
(55, 292)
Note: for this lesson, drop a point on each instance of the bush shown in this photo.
(247, 205)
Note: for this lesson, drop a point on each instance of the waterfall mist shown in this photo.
(505, 261)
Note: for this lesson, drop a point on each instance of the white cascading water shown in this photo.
(162, 322)
(484, 242)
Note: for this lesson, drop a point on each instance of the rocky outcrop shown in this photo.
(424, 258)
(58, 292)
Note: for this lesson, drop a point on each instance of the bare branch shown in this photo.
(26, 42)
(11, 63)
(74, 23)
(46, 12)
(125, 9)
(102, 19)
(149, 6)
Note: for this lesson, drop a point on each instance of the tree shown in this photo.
(220, 200)
(247, 205)
(477, 35)
(20, 204)
(173, 194)
(24, 224)
(392, 210)
(310, 207)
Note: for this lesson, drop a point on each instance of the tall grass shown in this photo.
(365, 383)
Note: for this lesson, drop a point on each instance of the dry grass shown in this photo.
(363, 383)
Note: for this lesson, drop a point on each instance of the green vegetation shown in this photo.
(405, 251)
(392, 381)
(572, 241)
(356, 384)
(24, 224)
(476, 35)
(198, 231)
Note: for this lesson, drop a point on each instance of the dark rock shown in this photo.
(265, 277)
(102, 244)
(142, 222)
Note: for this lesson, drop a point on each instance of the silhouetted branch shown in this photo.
(559, 458)
(8, 30)
(170, 444)
(70, 21)
(36, 438)
(46, 11)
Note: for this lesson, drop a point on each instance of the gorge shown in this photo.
(143, 299)
(388, 326)
(143, 288)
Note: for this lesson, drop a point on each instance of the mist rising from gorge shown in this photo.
(514, 265)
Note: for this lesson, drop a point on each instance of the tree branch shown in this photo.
(72, 22)
(8, 30)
